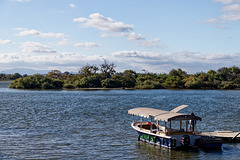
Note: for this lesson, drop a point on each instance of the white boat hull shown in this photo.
(171, 142)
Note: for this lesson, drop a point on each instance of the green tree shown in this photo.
(175, 79)
(173, 82)
(129, 77)
(192, 82)
(55, 74)
(89, 82)
(111, 83)
(15, 76)
(178, 73)
(88, 70)
(107, 69)
(57, 84)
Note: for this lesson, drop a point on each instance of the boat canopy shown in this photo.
(179, 108)
(163, 115)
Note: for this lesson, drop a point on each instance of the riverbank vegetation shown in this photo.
(10, 77)
(105, 76)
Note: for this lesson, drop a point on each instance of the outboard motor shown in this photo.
(185, 140)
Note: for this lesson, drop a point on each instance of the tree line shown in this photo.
(105, 76)
(10, 77)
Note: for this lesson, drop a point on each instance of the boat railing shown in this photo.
(145, 126)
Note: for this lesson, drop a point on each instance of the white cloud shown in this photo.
(130, 36)
(63, 42)
(23, 0)
(231, 12)
(87, 44)
(33, 32)
(151, 43)
(133, 36)
(102, 23)
(3, 42)
(227, 1)
(233, 7)
(231, 17)
(116, 29)
(106, 35)
(36, 47)
(136, 37)
(72, 5)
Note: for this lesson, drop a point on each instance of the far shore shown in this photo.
(145, 89)
(101, 89)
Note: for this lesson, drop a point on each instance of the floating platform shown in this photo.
(211, 143)
(225, 136)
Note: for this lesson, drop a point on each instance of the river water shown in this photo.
(65, 124)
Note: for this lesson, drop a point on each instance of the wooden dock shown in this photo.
(226, 136)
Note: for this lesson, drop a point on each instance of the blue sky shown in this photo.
(155, 35)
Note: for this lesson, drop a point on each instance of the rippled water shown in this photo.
(38, 124)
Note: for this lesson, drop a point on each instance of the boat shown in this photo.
(160, 129)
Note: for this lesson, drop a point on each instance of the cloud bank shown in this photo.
(36, 47)
(36, 55)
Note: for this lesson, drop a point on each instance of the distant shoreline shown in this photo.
(121, 88)
(89, 79)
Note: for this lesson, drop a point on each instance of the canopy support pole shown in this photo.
(180, 125)
(151, 124)
(165, 127)
(141, 124)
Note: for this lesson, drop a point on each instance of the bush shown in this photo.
(193, 83)
(36, 82)
(88, 82)
(68, 86)
(111, 83)
(227, 85)
(57, 84)
(149, 84)
(46, 85)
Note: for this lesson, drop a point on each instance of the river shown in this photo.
(94, 124)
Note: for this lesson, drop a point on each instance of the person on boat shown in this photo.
(192, 123)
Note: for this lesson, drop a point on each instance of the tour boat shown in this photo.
(163, 132)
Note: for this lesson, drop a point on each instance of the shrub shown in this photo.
(111, 83)
(68, 86)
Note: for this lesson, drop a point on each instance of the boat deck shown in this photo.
(226, 136)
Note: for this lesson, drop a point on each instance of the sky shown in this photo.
(156, 35)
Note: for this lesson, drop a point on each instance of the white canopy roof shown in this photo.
(163, 115)
(146, 112)
(179, 108)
